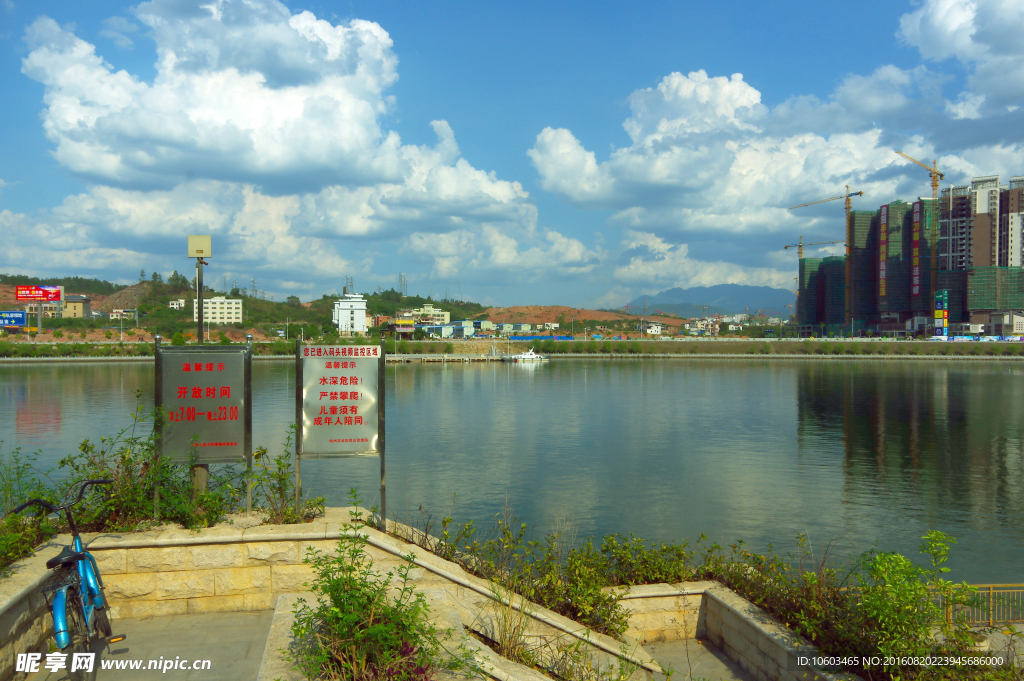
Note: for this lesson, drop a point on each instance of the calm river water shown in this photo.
(869, 454)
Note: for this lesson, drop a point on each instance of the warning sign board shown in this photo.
(205, 397)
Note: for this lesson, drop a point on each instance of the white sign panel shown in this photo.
(339, 400)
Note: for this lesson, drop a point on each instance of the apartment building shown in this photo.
(219, 310)
(349, 314)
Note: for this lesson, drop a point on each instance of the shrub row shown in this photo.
(147, 490)
(880, 605)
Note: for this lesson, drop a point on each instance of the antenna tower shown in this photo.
(403, 284)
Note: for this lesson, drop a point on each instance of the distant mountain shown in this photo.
(720, 299)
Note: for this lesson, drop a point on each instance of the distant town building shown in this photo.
(403, 323)
(349, 314)
(218, 310)
(51, 309)
(77, 307)
(124, 314)
(652, 328)
(178, 304)
(428, 314)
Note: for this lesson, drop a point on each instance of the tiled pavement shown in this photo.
(233, 642)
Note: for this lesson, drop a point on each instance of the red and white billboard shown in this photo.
(38, 293)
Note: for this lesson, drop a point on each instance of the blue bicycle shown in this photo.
(76, 598)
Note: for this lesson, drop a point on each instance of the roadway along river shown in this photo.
(869, 454)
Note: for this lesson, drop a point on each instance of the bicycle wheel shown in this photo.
(102, 617)
(80, 639)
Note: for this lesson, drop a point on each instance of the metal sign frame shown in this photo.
(161, 351)
(380, 404)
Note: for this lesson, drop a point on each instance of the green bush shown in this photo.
(368, 626)
(449, 348)
(19, 482)
(176, 339)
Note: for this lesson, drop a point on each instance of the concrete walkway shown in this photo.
(692, 659)
(233, 642)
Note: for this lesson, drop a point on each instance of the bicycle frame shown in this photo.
(90, 592)
(89, 585)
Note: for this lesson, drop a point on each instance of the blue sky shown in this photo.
(527, 153)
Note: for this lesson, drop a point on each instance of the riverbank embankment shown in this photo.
(462, 359)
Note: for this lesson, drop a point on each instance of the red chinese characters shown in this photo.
(196, 392)
(200, 366)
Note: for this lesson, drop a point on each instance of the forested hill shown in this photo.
(70, 284)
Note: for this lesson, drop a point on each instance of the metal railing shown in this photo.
(1000, 604)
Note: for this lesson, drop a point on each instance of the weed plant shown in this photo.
(274, 486)
(368, 626)
(18, 483)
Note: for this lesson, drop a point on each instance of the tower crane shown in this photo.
(800, 246)
(849, 242)
(936, 176)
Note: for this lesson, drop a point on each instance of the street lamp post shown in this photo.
(199, 247)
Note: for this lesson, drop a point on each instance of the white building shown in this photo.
(652, 328)
(219, 310)
(178, 304)
(350, 314)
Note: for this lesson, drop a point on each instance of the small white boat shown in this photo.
(528, 356)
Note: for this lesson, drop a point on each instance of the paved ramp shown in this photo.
(691, 659)
(233, 642)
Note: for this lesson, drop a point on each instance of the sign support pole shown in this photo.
(158, 427)
(298, 423)
(39, 320)
(248, 423)
(200, 472)
(381, 380)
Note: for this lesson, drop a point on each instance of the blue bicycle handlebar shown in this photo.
(53, 509)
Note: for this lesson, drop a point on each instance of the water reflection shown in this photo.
(934, 446)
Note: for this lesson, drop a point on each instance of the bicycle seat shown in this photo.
(66, 557)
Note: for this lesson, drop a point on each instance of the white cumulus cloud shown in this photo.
(983, 35)
(266, 129)
(654, 262)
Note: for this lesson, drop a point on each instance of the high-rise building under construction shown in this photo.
(980, 251)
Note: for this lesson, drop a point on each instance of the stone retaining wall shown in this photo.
(25, 622)
(763, 647)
